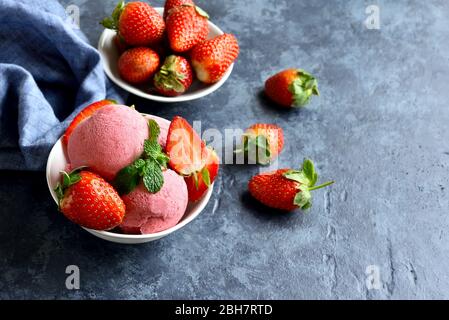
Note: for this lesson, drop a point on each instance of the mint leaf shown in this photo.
(152, 149)
(128, 178)
(153, 179)
(155, 130)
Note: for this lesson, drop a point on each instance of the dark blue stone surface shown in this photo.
(379, 128)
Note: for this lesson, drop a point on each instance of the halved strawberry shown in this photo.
(185, 148)
(199, 183)
(83, 115)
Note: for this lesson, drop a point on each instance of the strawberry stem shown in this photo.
(322, 185)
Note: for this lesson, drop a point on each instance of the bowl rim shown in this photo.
(202, 203)
(107, 33)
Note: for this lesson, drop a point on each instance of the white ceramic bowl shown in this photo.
(110, 55)
(57, 161)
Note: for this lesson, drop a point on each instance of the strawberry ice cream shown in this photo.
(111, 139)
(151, 213)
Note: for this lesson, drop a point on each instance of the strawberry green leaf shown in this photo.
(112, 22)
(195, 180)
(303, 198)
(153, 179)
(303, 87)
(257, 146)
(308, 169)
(59, 191)
(297, 176)
(206, 176)
(168, 77)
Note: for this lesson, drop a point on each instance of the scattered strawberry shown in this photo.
(291, 88)
(175, 76)
(186, 150)
(199, 183)
(212, 58)
(120, 44)
(170, 4)
(265, 141)
(286, 189)
(83, 115)
(137, 65)
(88, 200)
(137, 23)
(186, 27)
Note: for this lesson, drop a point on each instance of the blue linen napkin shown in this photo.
(48, 73)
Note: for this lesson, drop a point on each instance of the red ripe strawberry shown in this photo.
(265, 141)
(212, 58)
(174, 77)
(286, 189)
(137, 23)
(291, 88)
(186, 27)
(199, 183)
(170, 4)
(137, 65)
(89, 201)
(83, 115)
(186, 150)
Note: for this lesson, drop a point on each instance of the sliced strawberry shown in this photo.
(83, 115)
(198, 183)
(185, 148)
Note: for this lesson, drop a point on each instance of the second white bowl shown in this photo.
(110, 55)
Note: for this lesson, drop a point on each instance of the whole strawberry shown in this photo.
(263, 142)
(170, 4)
(138, 65)
(83, 115)
(291, 88)
(175, 76)
(212, 58)
(89, 201)
(187, 25)
(137, 23)
(286, 189)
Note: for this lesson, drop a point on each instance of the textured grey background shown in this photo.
(379, 129)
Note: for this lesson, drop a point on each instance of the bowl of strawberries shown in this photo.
(129, 177)
(169, 54)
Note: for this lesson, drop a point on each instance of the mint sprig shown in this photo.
(148, 168)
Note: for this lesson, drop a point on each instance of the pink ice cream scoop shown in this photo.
(150, 213)
(111, 139)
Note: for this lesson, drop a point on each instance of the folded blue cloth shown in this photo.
(48, 73)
